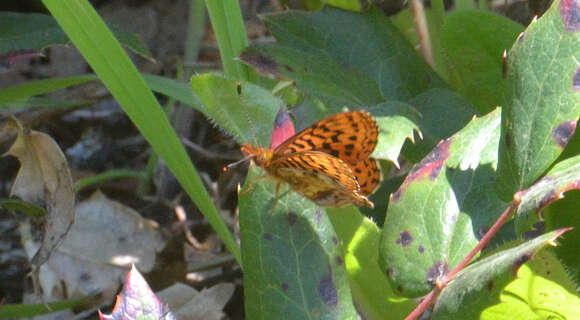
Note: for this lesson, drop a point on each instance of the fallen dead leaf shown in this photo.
(186, 303)
(44, 179)
(106, 238)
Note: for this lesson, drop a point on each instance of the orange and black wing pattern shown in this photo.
(324, 179)
(349, 136)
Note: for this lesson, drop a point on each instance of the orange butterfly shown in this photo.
(328, 162)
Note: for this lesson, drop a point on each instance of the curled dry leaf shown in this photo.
(44, 178)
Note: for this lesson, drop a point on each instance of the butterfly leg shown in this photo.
(262, 177)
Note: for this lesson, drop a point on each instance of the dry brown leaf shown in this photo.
(44, 178)
(187, 303)
(106, 238)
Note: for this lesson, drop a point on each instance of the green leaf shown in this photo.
(248, 117)
(174, 89)
(25, 31)
(560, 214)
(293, 261)
(397, 121)
(562, 177)
(541, 290)
(479, 285)
(542, 103)
(473, 42)
(320, 75)
(369, 286)
(370, 45)
(106, 57)
(443, 207)
(443, 112)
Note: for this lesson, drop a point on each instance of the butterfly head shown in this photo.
(260, 155)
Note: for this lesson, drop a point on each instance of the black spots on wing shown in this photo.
(437, 271)
(490, 285)
(327, 289)
(334, 240)
(268, 236)
(570, 11)
(284, 286)
(292, 217)
(421, 249)
(348, 153)
(564, 132)
(299, 144)
(430, 166)
(339, 260)
(349, 146)
(405, 239)
(334, 153)
(537, 230)
(352, 138)
(324, 128)
(521, 260)
(576, 80)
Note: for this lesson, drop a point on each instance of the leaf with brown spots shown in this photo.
(478, 287)
(435, 217)
(290, 255)
(542, 100)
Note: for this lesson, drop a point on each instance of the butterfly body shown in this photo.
(328, 162)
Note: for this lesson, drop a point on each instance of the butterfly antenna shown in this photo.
(231, 165)
(247, 113)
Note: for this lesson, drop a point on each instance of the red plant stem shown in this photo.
(442, 283)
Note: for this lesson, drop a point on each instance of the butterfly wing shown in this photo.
(322, 178)
(349, 136)
(368, 174)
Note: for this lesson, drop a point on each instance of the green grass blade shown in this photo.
(105, 55)
(228, 24)
(22, 91)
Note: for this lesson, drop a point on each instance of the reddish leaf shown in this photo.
(137, 301)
